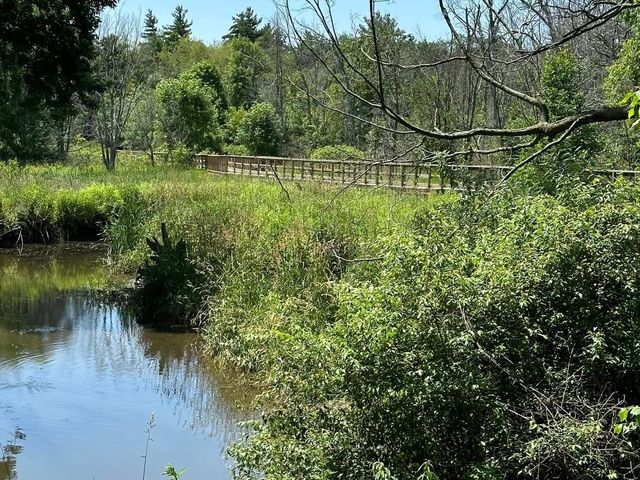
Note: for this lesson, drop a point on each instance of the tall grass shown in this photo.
(266, 241)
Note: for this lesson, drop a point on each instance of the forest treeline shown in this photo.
(72, 72)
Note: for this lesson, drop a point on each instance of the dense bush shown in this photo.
(338, 152)
(188, 116)
(260, 130)
(166, 296)
(207, 74)
(495, 340)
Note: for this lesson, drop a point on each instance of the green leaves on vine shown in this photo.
(629, 419)
(632, 99)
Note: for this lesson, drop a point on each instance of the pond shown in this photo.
(80, 381)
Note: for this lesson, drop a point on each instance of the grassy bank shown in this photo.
(250, 232)
(395, 336)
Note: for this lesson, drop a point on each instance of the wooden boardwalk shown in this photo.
(398, 175)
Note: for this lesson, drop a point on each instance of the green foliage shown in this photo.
(151, 34)
(623, 75)
(165, 296)
(150, 31)
(182, 56)
(235, 116)
(474, 338)
(245, 25)
(46, 216)
(143, 129)
(562, 89)
(234, 149)
(193, 109)
(246, 65)
(208, 75)
(560, 84)
(45, 54)
(188, 115)
(628, 420)
(179, 29)
(632, 99)
(480, 345)
(338, 152)
(260, 130)
(172, 473)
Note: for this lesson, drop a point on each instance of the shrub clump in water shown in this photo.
(166, 281)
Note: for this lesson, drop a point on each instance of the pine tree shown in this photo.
(150, 33)
(180, 28)
(245, 25)
(150, 26)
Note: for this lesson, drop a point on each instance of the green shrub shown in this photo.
(562, 88)
(338, 152)
(165, 296)
(260, 130)
(236, 150)
(494, 340)
(189, 117)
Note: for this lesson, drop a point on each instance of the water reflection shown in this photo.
(9, 450)
(82, 379)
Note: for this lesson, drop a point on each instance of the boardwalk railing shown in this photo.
(400, 175)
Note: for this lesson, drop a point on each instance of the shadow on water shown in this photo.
(78, 381)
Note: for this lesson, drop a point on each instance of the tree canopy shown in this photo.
(46, 49)
(179, 28)
(245, 25)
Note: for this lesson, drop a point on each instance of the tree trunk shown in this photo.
(109, 154)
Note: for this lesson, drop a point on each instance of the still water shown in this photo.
(79, 381)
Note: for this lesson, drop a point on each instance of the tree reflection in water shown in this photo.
(70, 358)
(8, 455)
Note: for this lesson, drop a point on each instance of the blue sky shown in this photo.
(211, 18)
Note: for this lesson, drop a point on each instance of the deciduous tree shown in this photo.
(126, 74)
(46, 48)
